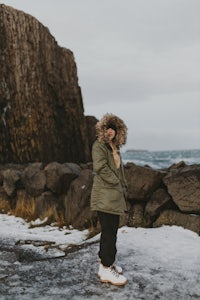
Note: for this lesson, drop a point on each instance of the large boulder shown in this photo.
(48, 206)
(41, 107)
(159, 200)
(34, 179)
(184, 187)
(142, 181)
(77, 201)
(10, 179)
(59, 176)
(172, 217)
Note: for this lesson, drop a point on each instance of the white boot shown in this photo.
(109, 274)
(118, 269)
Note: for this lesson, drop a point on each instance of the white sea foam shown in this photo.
(161, 159)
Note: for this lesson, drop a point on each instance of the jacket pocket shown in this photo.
(111, 200)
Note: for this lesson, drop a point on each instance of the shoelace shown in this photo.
(114, 272)
(114, 267)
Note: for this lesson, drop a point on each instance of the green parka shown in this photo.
(109, 186)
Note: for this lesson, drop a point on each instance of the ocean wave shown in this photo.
(161, 159)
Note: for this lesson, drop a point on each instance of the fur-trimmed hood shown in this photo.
(121, 129)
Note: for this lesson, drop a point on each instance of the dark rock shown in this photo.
(171, 217)
(158, 201)
(184, 187)
(76, 169)
(47, 206)
(142, 181)
(41, 108)
(77, 201)
(5, 204)
(10, 179)
(178, 165)
(12, 166)
(59, 176)
(34, 179)
(88, 165)
(136, 216)
(91, 130)
(1, 178)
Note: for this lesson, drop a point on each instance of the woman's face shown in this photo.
(110, 134)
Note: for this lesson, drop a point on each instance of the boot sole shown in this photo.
(117, 284)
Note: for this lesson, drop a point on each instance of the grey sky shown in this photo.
(139, 59)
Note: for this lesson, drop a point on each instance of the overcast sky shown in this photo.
(138, 59)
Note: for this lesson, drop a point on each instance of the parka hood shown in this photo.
(121, 129)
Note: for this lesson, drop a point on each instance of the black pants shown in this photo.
(109, 226)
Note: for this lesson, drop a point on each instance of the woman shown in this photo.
(109, 192)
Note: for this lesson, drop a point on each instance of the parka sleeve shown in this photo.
(100, 164)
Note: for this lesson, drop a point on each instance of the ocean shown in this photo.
(161, 159)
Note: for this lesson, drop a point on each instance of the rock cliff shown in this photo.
(41, 109)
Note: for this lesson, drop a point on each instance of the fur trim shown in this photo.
(121, 135)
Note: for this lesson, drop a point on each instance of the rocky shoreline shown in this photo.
(61, 193)
(42, 119)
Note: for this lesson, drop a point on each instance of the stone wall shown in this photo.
(41, 108)
(61, 193)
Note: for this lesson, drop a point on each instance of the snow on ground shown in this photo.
(17, 229)
(161, 263)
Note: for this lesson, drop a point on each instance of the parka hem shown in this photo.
(110, 212)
